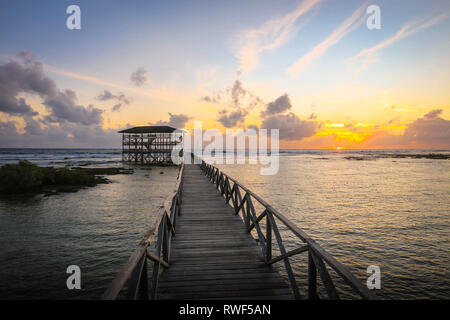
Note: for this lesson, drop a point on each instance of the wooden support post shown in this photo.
(268, 239)
(134, 282)
(325, 276)
(312, 278)
(143, 283)
(156, 264)
(165, 240)
(247, 214)
(287, 264)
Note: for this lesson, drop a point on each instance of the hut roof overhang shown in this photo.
(149, 129)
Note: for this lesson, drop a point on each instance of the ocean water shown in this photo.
(365, 207)
(385, 208)
(62, 157)
(95, 228)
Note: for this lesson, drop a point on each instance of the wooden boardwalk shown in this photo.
(212, 255)
(199, 246)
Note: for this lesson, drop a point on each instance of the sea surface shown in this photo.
(389, 208)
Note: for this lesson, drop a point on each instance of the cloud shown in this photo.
(394, 108)
(281, 104)
(66, 124)
(429, 131)
(350, 24)
(139, 77)
(175, 121)
(207, 99)
(271, 35)
(161, 93)
(368, 55)
(107, 95)
(312, 116)
(291, 127)
(15, 78)
(116, 107)
(433, 114)
(237, 92)
(236, 102)
(235, 96)
(67, 135)
(64, 107)
(28, 77)
(32, 126)
(232, 119)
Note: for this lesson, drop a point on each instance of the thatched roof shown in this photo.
(149, 129)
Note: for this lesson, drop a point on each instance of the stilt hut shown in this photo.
(151, 144)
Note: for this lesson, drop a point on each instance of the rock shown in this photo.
(26, 177)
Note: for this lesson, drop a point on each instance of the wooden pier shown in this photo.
(201, 247)
(212, 255)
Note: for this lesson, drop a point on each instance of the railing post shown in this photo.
(156, 264)
(312, 277)
(165, 242)
(247, 214)
(238, 199)
(143, 284)
(268, 239)
(287, 264)
(138, 275)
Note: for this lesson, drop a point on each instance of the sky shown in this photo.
(311, 68)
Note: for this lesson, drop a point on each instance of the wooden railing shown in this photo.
(317, 256)
(134, 275)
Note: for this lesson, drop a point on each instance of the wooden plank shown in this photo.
(231, 294)
(172, 272)
(209, 261)
(274, 297)
(172, 277)
(211, 245)
(217, 286)
(188, 243)
(217, 252)
(180, 266)
(222, 284)
(230, 237)
(180, 279)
